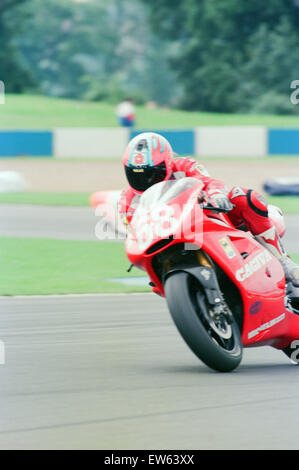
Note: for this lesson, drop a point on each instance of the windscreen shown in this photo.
(157, 218)
(164, 192)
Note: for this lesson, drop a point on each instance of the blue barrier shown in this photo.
(32, 143)
(182, 141)
(283, 141)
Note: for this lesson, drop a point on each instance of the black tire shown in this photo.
(183, 306)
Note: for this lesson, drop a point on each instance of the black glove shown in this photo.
(221, 201)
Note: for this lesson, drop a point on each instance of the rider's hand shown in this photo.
(221, 201)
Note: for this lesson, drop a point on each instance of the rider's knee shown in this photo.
(245, 199)
(257, 203)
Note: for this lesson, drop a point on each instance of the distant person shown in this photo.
(125, 112)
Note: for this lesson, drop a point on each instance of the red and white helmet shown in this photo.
(148, 160)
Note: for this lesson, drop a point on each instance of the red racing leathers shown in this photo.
(250, 210)
(182, 167)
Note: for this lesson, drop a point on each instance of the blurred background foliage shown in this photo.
(207, 55)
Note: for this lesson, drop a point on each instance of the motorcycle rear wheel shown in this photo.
(219, 347)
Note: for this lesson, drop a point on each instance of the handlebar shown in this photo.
(211, 208)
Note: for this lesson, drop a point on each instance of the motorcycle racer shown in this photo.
(149, 159)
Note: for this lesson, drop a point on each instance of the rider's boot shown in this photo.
(272, 241)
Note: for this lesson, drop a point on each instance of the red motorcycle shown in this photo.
(224, 290)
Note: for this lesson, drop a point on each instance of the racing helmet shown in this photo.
(148, 159)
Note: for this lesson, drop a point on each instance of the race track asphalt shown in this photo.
(79, 223)
(64, 223)
(111, 372)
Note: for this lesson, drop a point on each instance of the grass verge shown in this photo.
(288, 204)
(46, 199)
(44, 266)
(41, 112)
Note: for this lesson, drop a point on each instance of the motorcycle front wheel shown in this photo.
(216, 343)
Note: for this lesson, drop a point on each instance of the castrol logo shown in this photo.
(253, 266)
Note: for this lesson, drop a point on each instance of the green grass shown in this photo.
(288, 204)
(39, 112)
(46, 199)
(44, 266)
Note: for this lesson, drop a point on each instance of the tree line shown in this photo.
(211, 55)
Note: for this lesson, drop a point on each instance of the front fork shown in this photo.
(207, 278)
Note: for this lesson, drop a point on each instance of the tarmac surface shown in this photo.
(111, 372)
(79, 223)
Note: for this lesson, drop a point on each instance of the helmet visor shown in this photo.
(141, 178)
